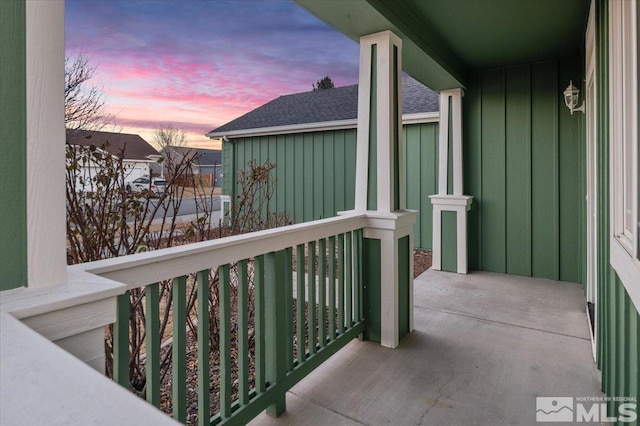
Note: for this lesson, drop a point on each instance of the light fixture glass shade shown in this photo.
(571, 96)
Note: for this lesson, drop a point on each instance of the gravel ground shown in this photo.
(421, 261)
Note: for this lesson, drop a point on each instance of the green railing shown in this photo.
(262, 320)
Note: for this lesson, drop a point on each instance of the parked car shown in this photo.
(156, 185)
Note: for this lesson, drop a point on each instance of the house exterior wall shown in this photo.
(619, 342)
(315, 172)
(524, 165)
(13, 146)
(135, 169)
(618, 321)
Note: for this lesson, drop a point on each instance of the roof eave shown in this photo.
(323, 126)
(424, 56)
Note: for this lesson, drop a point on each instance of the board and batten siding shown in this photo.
(315, 172)
(13, 146)
(618, 330)
(524, 164)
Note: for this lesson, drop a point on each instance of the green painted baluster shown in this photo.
(288, 292)
(322, 291)
(300, 314)
(349, 278)
(276, 319)
(243, 333)
(332, 288)
(225, 342)
(152, 325)
(179, 349)
(341, 283)
(121, 341)
(311, 280)
(259, 323)
(204, 412)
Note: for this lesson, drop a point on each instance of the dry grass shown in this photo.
(201, 191)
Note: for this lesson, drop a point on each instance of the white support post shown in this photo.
(456, 201)
(46, 238)
(443, 144)
(362, 147)
(66, 307)
(380, 55)
(456, 121)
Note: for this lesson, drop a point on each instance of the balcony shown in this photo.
(484, 345)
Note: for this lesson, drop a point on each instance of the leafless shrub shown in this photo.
(250, 210)
(105, 220)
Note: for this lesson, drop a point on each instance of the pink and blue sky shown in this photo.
(197, 64)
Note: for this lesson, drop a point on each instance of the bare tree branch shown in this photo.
(84, 105)
(167, 135)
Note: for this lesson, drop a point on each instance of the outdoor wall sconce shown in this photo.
(571, 98)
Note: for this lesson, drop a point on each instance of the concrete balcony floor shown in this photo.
(484, 346)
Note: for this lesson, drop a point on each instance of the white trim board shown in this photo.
(46, 231)
(628, 270)
(418, 118)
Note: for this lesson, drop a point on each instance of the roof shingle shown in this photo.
(135, 148)
(340, 103)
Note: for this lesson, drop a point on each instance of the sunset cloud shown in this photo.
(199, 64)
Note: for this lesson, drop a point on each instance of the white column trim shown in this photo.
(362, 147)
(436, 252)
(389, 228)
(460, 204)
(461, 224)
(443, 143)
(389, 333)
(411, 266)
(46, 237)
(456, 125)
(398, 131)
(384, 123)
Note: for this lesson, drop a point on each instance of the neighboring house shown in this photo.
(137, 155)
(526, 185)
(205, 161)
(311, 137)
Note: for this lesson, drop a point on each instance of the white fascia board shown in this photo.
(420, 117)
(279, 130)
(423, 117)
(139, 160)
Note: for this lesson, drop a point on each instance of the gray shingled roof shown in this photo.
(202, 156)
(135, 148)
(340, 103)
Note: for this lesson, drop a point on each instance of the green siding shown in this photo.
(372, 178)
(449, 245)
(493, 201)
(545, 262)
(523, 152)
(421, 165)
(619, 346)
(572, 185)
(372, 285)
(315, 172)
(403, 286)
(472, 157)
(618, 322)
(13, 145)
(518, 164)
